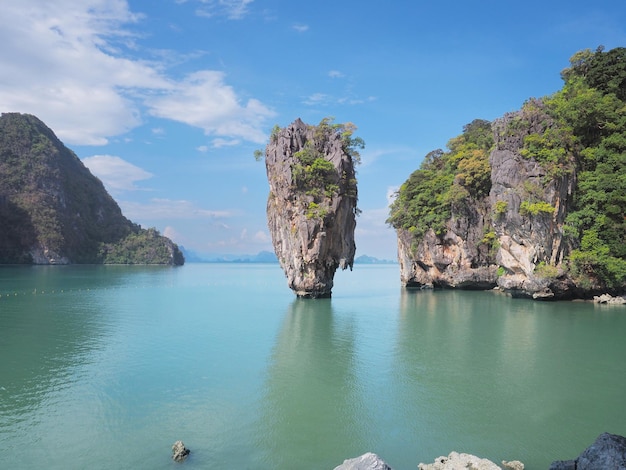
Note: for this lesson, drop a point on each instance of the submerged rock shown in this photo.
(311, 208)
(179, 451)
(368, 461)
(608, 451)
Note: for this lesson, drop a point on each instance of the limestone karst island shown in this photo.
(54, 211)
(312, 203)
(533, 203)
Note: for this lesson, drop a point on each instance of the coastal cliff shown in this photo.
(54, 211)
(312, 203)
(532, 203)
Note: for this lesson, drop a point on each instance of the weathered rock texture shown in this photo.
(179, 451)
(312, 227)
(523, 241)
(457, 461)
(368, 461)
(608, 451)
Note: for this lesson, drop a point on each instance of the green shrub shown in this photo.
(535, 208)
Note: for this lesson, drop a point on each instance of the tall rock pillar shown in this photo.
(312, 204)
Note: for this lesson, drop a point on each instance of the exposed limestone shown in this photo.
(609, 299)
(456, 461)
(179, 451)
(368, 461)
(523, 242)
(526, 240)
(311, 207)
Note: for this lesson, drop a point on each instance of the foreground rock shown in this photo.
(311, 206)
(609, 299)
(607, 452)
(369, 461)
(179, 451)
(456, 461)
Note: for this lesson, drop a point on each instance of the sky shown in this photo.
(166, 100)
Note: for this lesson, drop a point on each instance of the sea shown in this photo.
(105, 367)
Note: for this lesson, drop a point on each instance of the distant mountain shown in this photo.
(364, 259)
(261, 257)
(54, 211)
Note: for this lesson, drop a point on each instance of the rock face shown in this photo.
(311, 206)
(608, 451)
(54, 211)
(525, 236)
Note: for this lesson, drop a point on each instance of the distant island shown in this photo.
(261, 257)
(54, 211)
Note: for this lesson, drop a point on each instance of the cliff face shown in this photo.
(528, 238)
(54, 211)
(504, 238)
(311, 207)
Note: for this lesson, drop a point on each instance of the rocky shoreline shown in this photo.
(607, 452)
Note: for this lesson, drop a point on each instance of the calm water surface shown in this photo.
(105, 367)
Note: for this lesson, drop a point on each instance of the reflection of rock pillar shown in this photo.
(311, 400)
(311, 207)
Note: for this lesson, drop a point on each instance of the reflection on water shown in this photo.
(311, 400)
(105, 367)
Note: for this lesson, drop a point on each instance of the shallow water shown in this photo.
(106, 366)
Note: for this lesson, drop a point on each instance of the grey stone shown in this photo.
(456, 461)
(179, 451)
(368, 461)
(607, 452)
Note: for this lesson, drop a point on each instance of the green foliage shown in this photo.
(593, 104)
(141, 247)
(535, 208)
(316, 177)
(501, 271)
(500, 208)
(546, 271)
(445, 180)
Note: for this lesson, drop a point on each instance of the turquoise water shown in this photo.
(105, 367)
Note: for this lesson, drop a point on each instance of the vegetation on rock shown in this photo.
(445, 180)
(52, 209)
(579, 129)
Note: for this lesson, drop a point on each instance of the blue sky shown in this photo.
(166, 100)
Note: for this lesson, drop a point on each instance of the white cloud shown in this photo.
(232, 9)
(317, 99)
(335, 74)
(218, 143)
(166, 209)
(172, 234)
(301, 28)
(262, 237)
(116, 173)
(203, 100)
(71, 63)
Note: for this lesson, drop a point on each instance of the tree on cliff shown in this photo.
(593, 104)
(445, 179)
